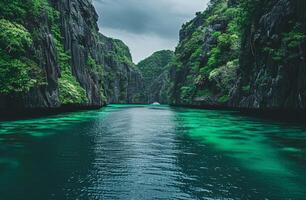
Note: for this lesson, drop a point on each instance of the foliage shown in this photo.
(294, 38)
(43, 5)
(246, 88)
(14, 38)
(26, 11)
(121, 53)
(19, 69)
(290, 43)
(94, 67)
(154, 65)
(224, 77)
(18, 74)
(19, 35)
(70, 90)
(14, 9)
(207, 58)
(203, 93)
(187, 93)
(277, 54)
(98, 70)
(15, 75)
(224, 99)
(187, 47)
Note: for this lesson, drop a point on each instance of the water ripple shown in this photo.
(141, 152)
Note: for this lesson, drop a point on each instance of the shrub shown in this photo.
(224, 77)
(224, 99)
(94, 67)
(213, 59)
(70, 90)
(277, 54)
(14, 76)
(14, 38)
(203, 93)
(246, 88)
(294, 38)
(187, 94)
(14, 9)
(18, 74)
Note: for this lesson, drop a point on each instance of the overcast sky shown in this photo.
(146, 26)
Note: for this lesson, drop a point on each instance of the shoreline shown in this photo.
(288, 115)
(29, 113)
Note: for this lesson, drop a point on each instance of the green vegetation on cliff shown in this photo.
(153, 70)
(70, 90)
(235, 53)
(15, 68)
(242, 53)
(154, 65)
(19, 70)
(207, 55)
(122, 80)
(19, 63)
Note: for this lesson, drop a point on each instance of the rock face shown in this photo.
(79, 65)
(155, 71)
(238, 55)
(206, 63)
(78, 25)
(274, 75)
(158, 90)
(122, 81)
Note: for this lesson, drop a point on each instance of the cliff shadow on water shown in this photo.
(280, 115)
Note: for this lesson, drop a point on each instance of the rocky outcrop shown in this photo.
(159, 89)
(273, 66)
(237, 54)
(80, 66)
(155, 71)
(206, 57)
(79, 30)
(83, 40)
(123, 82)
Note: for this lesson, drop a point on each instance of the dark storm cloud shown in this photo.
(161, 17)
(146, 25)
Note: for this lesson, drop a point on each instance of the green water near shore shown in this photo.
(152, 152)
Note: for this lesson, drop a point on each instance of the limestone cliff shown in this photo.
(155, 71)
(272, 62)
(60, 58)
(242, 54)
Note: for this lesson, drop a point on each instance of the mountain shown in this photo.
(236, 54)
(242, 54)
(155, 75)
(52, 55)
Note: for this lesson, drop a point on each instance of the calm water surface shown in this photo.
(145, 152)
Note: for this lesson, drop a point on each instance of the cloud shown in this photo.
(154, 22)
(141, 45)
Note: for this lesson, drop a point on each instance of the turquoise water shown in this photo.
(147, 152)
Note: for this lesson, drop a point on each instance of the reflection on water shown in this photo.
(147, 152)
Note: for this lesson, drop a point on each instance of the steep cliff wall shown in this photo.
(243, 54)
(155, 71)
(158, 90)
(123, 81)
(206, 59)
(272, 64)
(52, 55)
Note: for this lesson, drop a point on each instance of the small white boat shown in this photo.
(155, 103)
